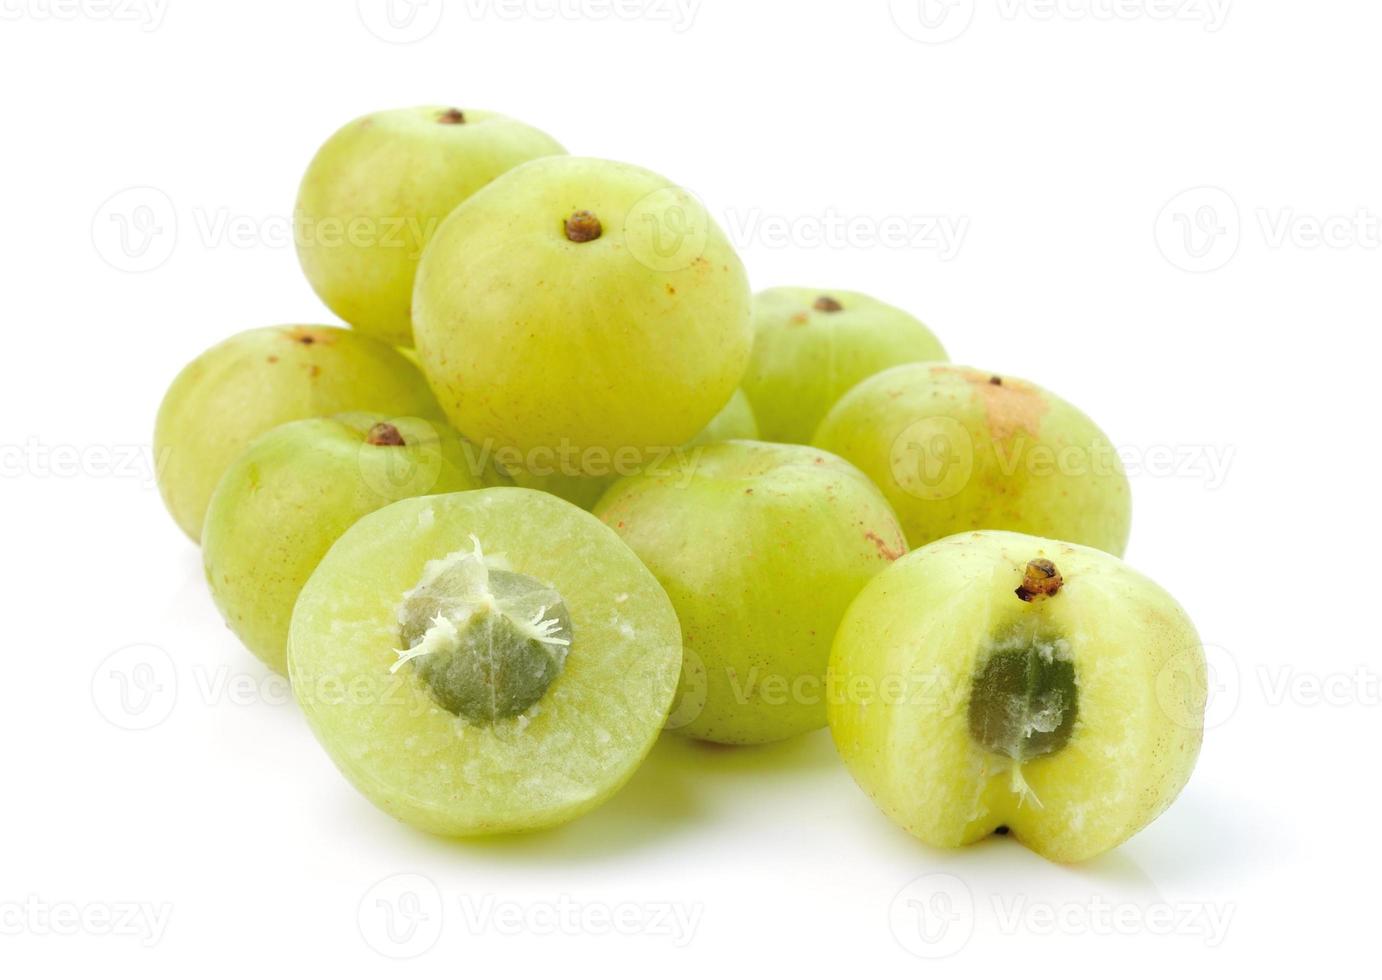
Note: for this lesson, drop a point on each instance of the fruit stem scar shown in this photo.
(1040, 580)
(583, 226)
(384, 434)
(451, 117)
(827, 304)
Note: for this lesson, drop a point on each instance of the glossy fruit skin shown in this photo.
(258, 379)
(420, 763)
(812, 345)
(761, 547)
(921, 627)
(734, 421)
(533, 341)
(955, 449)
(299, 487)
(378, 189)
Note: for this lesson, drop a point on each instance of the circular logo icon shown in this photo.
(933, 916)
(667, 230)
(136, 229)
(136, 687)
(1199, 229)
(933, 458)
(399, 21)
(401, 916)
(691, 692)
(395, 469)
(1199, 687)
(932, 21)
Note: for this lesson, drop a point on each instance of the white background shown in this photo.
(1069, 150)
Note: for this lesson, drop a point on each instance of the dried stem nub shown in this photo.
(384, 434)
(1040, 580)
(583, 226)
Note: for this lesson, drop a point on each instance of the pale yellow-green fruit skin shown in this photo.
(805, 358)
(760, 547)
(298, 487)
(258, 379)
(955, 449)
(424, 765)
(377, 190)
(901, 674)
(631, 341)
(734, 421)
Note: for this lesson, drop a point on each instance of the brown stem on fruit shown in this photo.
(384, 434)
(827, 304)
(1040, 581)
(996, 380)
(583, 226)
(452, 117)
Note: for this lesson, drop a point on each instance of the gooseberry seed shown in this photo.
(487, 642)
(828, 304)
(1024, 700)
(583, 226)
(385, 434)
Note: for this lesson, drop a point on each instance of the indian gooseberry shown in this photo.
(484, 662)
(810, 346)
(298, 487)
(585, 304)
(761, 547)
(246, 385)
(994, 681)
(955, 449)
(375, 193)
